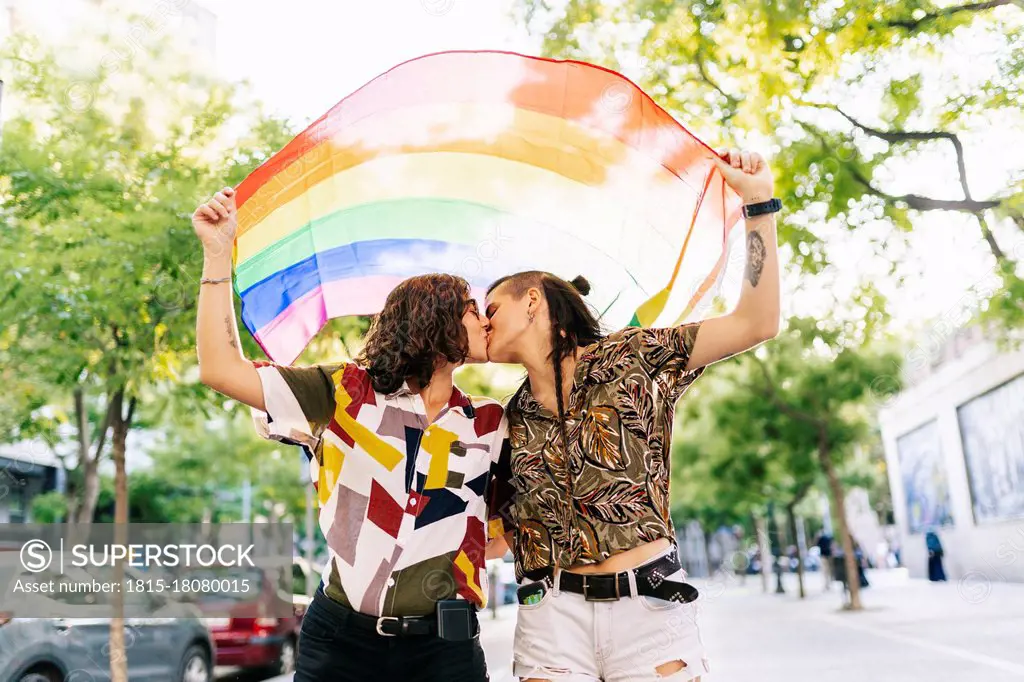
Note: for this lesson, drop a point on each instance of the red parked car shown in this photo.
(255, 635)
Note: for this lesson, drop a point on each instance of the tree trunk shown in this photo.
(791, 517)
(764, 551)
(120, 424)
(82, 423)
(839, 504)
(85, 505)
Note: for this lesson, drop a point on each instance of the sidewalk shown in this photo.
(908, 630)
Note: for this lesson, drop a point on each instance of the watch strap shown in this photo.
(773, 205)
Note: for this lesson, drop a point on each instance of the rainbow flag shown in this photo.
(481, 164)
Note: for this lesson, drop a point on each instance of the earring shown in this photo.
(529, 316)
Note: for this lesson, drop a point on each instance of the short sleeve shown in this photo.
(665, 353)
(299, 401)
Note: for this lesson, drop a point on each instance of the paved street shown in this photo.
(909, 630)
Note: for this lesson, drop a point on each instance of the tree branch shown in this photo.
(915, 24)
(82, 422)
(920, 203)
(101, 438)
(993, 245)
(799, 495)
(131, 412)
(783, 406)
(898, 136)
(706, 77)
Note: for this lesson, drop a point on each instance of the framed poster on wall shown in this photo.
(992, 431)
(923, 474)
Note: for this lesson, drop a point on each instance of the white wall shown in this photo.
(994, 550)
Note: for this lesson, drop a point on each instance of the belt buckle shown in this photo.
(380, 622)
(586, 593)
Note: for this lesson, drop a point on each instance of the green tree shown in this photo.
(805, 77)
(96, 234)
(777, 420)
(98, 177)
(202, 464)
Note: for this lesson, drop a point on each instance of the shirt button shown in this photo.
(412, 501)
(391, 582)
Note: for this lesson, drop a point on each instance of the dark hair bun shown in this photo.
(581, 285)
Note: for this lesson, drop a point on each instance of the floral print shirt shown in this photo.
(609, 491)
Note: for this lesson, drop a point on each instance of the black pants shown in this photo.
(333, 650)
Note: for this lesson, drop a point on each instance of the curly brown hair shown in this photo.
(419, 329)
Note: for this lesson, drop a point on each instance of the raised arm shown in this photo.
(222, 366)
(756, 316)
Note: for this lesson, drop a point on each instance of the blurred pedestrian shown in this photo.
(862, 559)
(824, 543)
(936, 572)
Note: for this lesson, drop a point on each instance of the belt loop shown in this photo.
(556, 579)
(633, 592)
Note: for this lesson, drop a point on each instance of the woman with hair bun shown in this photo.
(584, 490)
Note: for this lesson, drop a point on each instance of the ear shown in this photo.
(533, 293)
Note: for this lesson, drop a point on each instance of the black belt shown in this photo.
(386, 626)
(650, 582)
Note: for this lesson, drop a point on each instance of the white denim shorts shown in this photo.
(563, 637)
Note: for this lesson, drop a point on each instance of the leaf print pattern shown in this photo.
(533, 546)
(618, 503)
(600, 439)
(517, 435)
(608, 492)
(657, 490)
(638, 408)
(556, 459)
(608, 366)
(589, 544)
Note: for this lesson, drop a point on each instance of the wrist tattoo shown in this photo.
(756, 253)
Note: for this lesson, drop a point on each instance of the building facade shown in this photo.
(954, 444)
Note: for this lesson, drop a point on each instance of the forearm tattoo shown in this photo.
(231, 332)
(756, 253)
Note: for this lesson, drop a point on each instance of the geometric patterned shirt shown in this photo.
(402, 501)
(608, 492)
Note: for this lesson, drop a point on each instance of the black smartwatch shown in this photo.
(771, 206)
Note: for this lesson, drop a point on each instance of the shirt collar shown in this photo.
(458, 399)
(400, 391)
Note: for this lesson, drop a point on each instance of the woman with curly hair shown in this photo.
(586, 484)
(401, 459)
